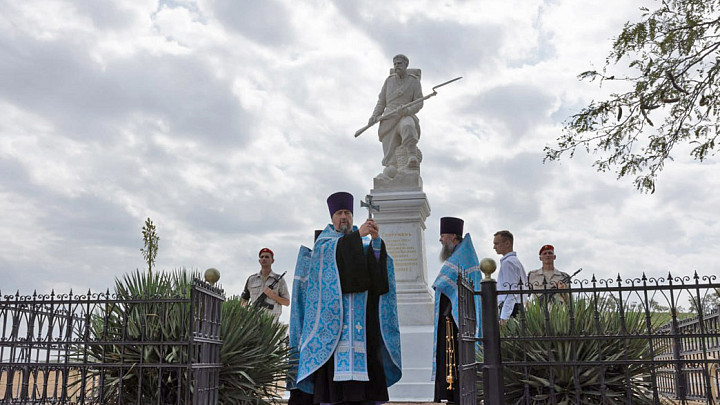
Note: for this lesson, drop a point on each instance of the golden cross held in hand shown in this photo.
(369, 205)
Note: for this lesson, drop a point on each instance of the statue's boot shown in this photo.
(413, 162)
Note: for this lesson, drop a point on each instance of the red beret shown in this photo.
(263, 250)
(546, 247)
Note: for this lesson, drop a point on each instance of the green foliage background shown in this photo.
(253, 354)
(664, 70)
(585, 386)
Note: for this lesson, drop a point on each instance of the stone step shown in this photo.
(411, 392)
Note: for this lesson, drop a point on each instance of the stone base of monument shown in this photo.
(402, 226)
(414, 310)
(401, 219)
(415, 384)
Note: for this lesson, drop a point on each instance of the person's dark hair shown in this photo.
(459, 238)
(506, 235)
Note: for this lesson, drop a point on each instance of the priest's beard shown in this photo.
(446, 252)
(345, 228)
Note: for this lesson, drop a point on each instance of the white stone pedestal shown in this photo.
(415, 384)
(402, 226)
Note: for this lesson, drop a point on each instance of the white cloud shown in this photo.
(229, 124)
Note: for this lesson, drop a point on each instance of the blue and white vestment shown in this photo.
(297, 312)
(333, 324)
(463, 259)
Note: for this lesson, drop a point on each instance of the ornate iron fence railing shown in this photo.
(636, 341)
(100, 348)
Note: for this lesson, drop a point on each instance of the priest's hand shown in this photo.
(374, 229)
(369, 228)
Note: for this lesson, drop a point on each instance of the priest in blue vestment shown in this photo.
(297, 317)
(458, 255)
(348, 348)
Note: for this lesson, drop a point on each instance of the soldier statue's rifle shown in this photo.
(260, 301)
(400, 108)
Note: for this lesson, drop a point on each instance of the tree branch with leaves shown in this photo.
(673, 55)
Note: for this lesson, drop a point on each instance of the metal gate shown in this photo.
(632, 341)
(467, 368)
(100, 348)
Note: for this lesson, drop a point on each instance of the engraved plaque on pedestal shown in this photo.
(402, 226)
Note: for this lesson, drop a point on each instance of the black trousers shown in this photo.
(516, 309)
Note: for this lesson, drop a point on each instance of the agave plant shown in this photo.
(254, 355)
(604, 382)
(139, 344)
(140, 340)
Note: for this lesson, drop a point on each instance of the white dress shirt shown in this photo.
(511, 273)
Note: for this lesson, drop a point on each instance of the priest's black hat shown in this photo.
(340, 201)
(451, 225)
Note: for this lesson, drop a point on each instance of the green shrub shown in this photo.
(254, 355)
(587, 384)
(130, 331)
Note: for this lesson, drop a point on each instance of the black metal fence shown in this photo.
(467, 370)
(99, 348)
(609, 341)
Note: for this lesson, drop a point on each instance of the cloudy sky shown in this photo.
(230, 122)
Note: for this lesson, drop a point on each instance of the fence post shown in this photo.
(680, 381)
(493, 392)
(466, 341)
(205, 343)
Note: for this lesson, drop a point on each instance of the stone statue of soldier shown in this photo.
(399, 132)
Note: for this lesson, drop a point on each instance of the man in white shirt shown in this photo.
(511, 276)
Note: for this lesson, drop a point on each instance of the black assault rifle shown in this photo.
(544, 296)
(260, 301)
(568, 278)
